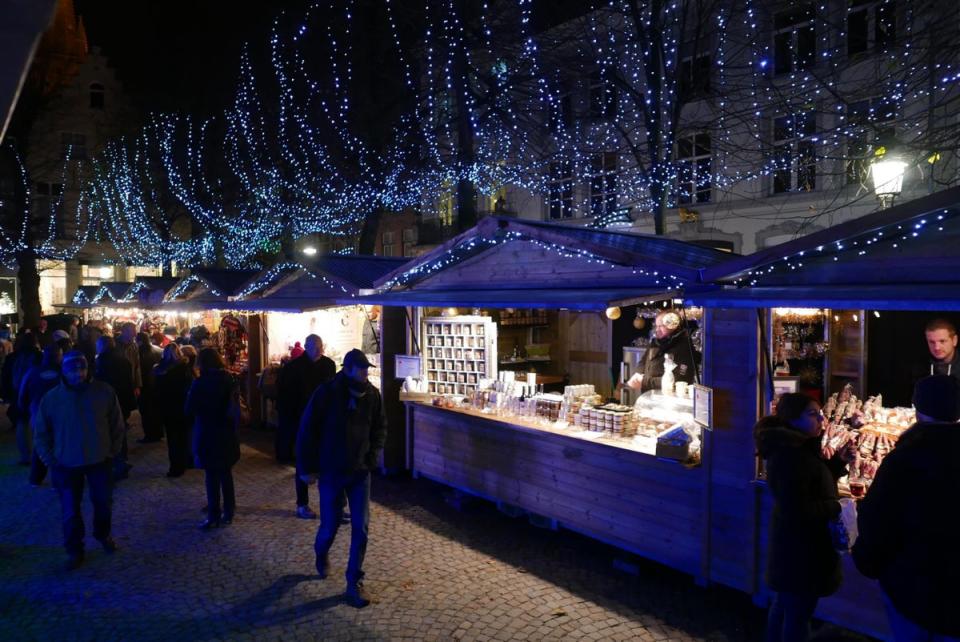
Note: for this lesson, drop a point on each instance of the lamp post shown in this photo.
(886, 173)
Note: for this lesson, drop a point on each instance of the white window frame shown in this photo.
(878, 123)
(872, 9)
(800, 168)
(602, 178)
(560, 191)
(690, 190)
(794, 30)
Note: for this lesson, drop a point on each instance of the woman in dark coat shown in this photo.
(172, 381)
(213, 404)
(802, 566)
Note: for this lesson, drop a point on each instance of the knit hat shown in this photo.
(938, 397)
(73, 359)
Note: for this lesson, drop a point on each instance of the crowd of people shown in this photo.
(71, 402)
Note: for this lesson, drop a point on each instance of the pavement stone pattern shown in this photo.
(433, 572)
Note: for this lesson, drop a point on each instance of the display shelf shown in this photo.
(458, 353)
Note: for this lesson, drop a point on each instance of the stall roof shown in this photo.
(897, 296)
(915, 242)
(347, 274)
(571, 299)
(216, 285)
(508, 252)
(113, 291)
(147, 287)
(84, 296)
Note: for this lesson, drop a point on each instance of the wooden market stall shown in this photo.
(512, 293)
(841, 308)
(319, 296)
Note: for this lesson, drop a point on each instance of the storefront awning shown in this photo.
(940, 297)
(573, 299)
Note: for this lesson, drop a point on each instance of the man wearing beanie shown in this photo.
(78, 429)
(907, 522)
(339, 442)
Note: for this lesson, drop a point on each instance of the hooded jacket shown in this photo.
(213, 405)
(804, 488)
(908, 527)
(38, 382)
(677, 345)
(339, 437)
(113, 368)
(78, 426)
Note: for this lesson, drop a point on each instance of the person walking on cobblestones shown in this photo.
(214, 405)
(26, 354)
(295, 383)
(79, 429)
(339, 442)
(39, 381)
(173, 380)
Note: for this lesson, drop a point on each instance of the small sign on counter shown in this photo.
(407, 365)
(703, 406)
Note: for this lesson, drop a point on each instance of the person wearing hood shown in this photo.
(339, 442)
(802, 565)
(213, 404)
(669, 337)
(907, 528)
(78, 429)
(39, 381)
(944, 358)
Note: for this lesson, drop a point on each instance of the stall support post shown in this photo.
(255, 364)
(393, 341)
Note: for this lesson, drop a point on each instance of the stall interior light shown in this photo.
(451, 312)
(797, 312)
(836, 318)
(856, 318)
(310, 250)
(876, 314)
(613, 312)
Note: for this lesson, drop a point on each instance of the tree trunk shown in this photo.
(28, 277)
(368, 233)
(658, 194)
(466, 192)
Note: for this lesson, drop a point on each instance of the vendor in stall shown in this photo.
(670, 338)
(941, 336)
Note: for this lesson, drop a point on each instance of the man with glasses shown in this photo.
(669, 338)
(78, 430)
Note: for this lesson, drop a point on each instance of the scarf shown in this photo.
(357, 392)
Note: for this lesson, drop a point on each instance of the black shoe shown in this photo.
(174, 473)
(73, 562)
(109, 546)
(227, 519)
(345, 518)
(355, 596)
(209, 524)
(323, 566)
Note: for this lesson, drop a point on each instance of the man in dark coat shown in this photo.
(341, 435)
(907, 524)
(26, 355)
(39, 381)
(78, 428)
(296, 382)
(670, 338)
(149, 356)
(113, 368)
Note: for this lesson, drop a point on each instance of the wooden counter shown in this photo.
(606, 489)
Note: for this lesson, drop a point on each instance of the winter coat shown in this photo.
(15, 369)
(38, 382)
(336, 439)
(802, 558)
(149, 357)
(934, 368)
(213, 405)
(677, 345)
(171, 386)
(113, 368)
(131, 352)
(296, 382)
(78, 426)
(908, 527)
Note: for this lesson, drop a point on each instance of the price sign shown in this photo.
(703, 406)
(407, 365)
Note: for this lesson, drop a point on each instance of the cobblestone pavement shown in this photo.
(434, 572)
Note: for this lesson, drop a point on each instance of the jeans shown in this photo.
(217, 480)
(357, 487)
(69, 484)
(789, 617)
(303, 491)
(905, 630)
(24, 440)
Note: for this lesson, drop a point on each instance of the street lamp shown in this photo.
(886, 172)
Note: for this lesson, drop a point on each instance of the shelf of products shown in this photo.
(459, 353)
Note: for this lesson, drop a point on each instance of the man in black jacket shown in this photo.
(339, 442)
(669, 337)
(296, 382)
(907, 526)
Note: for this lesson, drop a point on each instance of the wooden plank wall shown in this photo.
(731, 369)
(628, 499)
(585, 337)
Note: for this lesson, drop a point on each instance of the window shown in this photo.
(694, 169)
(561, 190)
(389, 249)
(409, 241)
(794, 40)
(96, 96)
(869, 123)
(603, 184)
(871, 24)
(794, 153)
(603, 97)
(695, 77)
(73, 146)
(46, 196)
